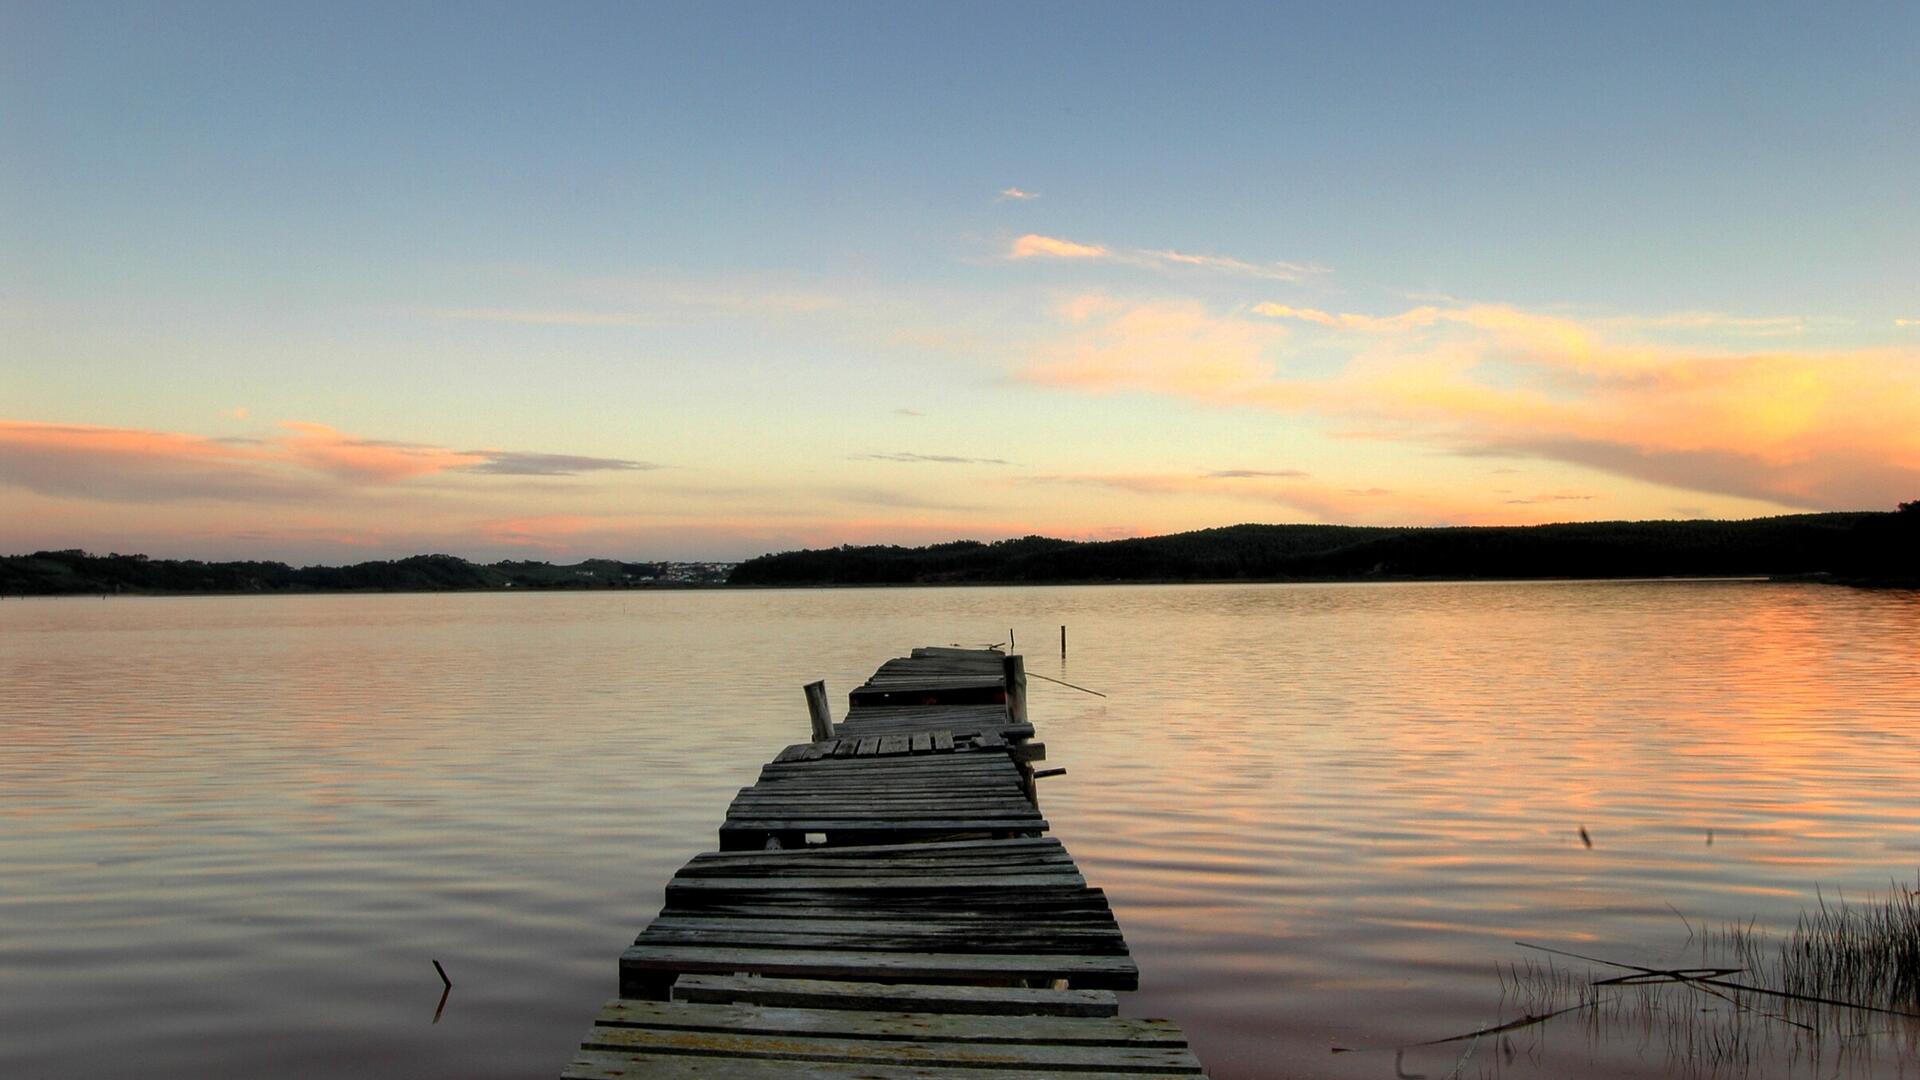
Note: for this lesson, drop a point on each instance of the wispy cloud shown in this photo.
(1906, 322)
(1036, 246)
(937, 459)
(299, 463)
(1806, 429)
(638, 302)
(508, 463)
(890, 497)
(547, 317)
(1326, 501)
(1014, 194)
(908, 412)
(1553, 497)
(1277, 271)
(1257, 474)
(1719, 322)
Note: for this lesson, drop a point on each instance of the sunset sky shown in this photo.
(325, 283)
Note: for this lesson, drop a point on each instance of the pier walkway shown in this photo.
(886, 904)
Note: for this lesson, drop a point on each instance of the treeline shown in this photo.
(1863, 548)
(46, 573)
(1854, 546)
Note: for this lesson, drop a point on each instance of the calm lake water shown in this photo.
(234, 831)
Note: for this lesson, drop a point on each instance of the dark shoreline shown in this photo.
(1864, 549)
(1727, 579)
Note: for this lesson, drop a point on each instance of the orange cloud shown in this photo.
(378, 461)
(138, 466)
(1173, 348)
(1809, 429)
(305, 462)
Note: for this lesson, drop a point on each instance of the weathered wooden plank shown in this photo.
(856, 1050)
(932, 850)
(615, 1065)
(740, 835)
(999, 790)
(876, 826)
(1092, 972)
(895, 997)
(901, 864)
(704, 922)
(860, 937)
(940, 883)
(921, 1026)
(943, 763)
(997, 784)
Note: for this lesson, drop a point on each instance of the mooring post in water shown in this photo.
(818, 711)
(1014, 667)
(1063, 643)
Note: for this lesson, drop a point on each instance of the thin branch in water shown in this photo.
(1683, 919)
(1511, 1025)
(1063, 682)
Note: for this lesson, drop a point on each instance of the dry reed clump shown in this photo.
(1868, 953)
(1840, 992)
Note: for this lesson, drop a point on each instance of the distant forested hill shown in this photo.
(1866, 548)
(63, 572)
(1844, 544)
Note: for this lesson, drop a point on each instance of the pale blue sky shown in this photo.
(734, 241)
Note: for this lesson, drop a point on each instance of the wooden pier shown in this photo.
(886, 905)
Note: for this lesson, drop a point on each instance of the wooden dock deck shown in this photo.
(886, 905)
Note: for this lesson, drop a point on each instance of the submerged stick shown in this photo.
(1525, 1021)
(1063, 682)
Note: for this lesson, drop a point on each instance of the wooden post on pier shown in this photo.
(818, 710)
(1014, 667)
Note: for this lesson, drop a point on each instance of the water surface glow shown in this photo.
(240, 827)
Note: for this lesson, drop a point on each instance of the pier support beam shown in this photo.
(818, 710)
(1014, 668)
